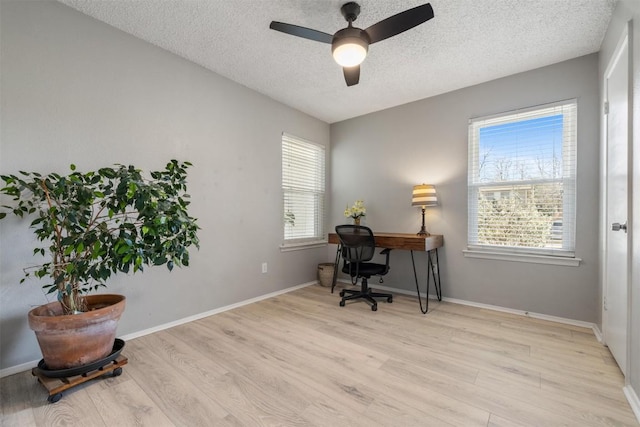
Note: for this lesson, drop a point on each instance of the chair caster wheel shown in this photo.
(54, 398)
(374, 307)
(341, 303)
(341, 294)
(390, 299)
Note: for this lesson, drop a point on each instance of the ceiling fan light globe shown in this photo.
(349, 52)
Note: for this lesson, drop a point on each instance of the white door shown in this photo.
(616, 257)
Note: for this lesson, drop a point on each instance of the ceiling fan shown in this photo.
(350, 45)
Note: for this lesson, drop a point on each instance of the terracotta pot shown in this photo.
(69, 341)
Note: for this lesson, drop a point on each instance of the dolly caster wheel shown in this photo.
(341, 303)
(390, 299)
(54, 398)
(117, 372)
(374, 307)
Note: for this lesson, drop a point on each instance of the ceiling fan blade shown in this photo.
(399, 23)
(351, 75)
(305, 33)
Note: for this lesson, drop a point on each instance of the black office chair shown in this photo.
(357, 246)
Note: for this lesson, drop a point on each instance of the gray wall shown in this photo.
(75, 90)
(627, 10)
(380, 156)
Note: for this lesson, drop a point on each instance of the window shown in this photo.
(522, 182)
(302, 191)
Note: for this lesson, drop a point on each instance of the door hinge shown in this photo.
(606, 107)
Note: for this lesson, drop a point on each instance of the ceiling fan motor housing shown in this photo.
(350, 35)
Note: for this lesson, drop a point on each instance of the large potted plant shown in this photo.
(89, 226)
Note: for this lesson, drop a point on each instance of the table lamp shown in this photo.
(424, 195)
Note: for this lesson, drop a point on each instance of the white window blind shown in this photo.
(303, 187)
(522, 181)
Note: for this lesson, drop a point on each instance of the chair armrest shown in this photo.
(386, 251)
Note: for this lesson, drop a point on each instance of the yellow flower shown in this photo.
(356, 211)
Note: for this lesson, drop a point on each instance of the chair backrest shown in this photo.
(357, 241)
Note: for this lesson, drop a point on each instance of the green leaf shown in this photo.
(72, 167)
(107, 173)
(96, 250)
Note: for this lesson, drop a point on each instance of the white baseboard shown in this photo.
(588, 325)
(525, 313)
(18, 368)
(598, 333)
(212, 312)
(28, 365)
(389, 289)
(634, 402)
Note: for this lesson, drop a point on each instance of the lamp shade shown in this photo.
(424, 195)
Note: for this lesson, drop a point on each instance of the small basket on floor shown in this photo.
(325, 274)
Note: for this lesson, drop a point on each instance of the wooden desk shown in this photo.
(410, 242)
(406, 241)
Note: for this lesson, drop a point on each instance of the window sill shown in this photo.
(536, 259)
(288, 247)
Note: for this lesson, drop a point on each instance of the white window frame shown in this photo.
(558, 256)
(303, 175)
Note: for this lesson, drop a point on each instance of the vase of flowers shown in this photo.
(357, 211)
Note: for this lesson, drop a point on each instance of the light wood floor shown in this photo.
(300, 359)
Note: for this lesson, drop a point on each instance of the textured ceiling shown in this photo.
(468, 42)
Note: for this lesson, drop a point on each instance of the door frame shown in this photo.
(604, 220)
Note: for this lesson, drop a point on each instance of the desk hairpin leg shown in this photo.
(335, 269)
(435, 272)
(431, 268)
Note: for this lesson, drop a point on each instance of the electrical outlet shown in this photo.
(264, 267)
